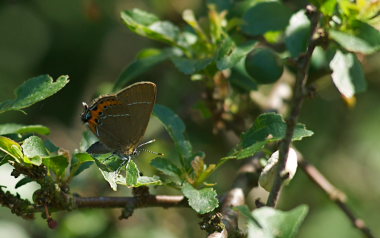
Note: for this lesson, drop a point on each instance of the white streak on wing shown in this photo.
(136, 103)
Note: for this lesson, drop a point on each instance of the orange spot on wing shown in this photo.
(95, 114)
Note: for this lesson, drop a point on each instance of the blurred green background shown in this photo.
(87, 41)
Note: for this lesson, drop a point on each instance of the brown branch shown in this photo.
(334, 194)
(247, 178)
(164, 201)
(301, 78)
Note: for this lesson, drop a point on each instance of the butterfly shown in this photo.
(120, 120)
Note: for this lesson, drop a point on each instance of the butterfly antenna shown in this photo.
(153, 152)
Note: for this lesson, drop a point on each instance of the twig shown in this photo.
(164, 201)
(299, 95)
(334, 194)
(247, 178)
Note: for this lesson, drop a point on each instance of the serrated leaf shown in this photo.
(348, 75)
(250, 150)
(190, 66)
(11, 148)
(13, 128)
(203, 200)
(363, 38)
(148, 25)
(229, 54)
(32, 91)
(147, 59)
(272, 223)
(297, 34)
(57, 164)
(79, 163)
(133, 174)
(34, 150)
(176, 129)
(166, 167)
(272, 127)
(23, 181)
(133, 178)
(266, 16)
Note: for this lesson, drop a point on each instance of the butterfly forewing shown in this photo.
(123, 125)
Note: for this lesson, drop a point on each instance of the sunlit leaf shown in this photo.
(32, 91)
(79, 163)
(12, 148)
(297, 34)
(34, 150)
(57, 164)
(364, 38)
(202, 200)
(13, 128)
(348, 75)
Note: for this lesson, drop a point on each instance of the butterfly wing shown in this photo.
(123, 124)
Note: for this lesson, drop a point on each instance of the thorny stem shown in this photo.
(301, 78)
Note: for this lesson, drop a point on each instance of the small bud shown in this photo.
(268, 175)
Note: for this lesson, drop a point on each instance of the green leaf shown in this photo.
(11, 148)
(272, 127)
(166, 167)
(133, 178)
(34, 149)
(57, 164)
(23, 181)
(79, 163)
(241, 79)
(363, 38)
(266, 16)
(13, 128)
(133, 174)
(190, 66)
(264, 65)
(146, 60)
(229, 54)
(271, 223)
(203, 200)
(250, 150)
(32, 91)
(297, 34)
(148, 25)
(176, 129)
(348, 75)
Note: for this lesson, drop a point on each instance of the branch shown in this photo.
(164, 201)
(301, 78)
(247, 178)
(334, 194)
